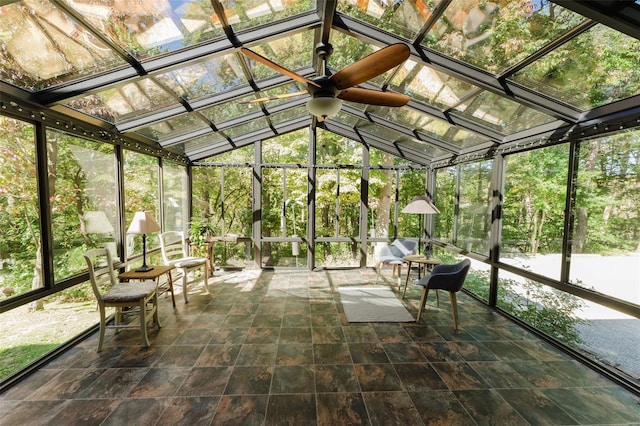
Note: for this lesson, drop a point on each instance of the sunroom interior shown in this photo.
(522, 127)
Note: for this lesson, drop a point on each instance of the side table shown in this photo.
(152, 275)
(422, 261)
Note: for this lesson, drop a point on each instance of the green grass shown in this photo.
(16, 358)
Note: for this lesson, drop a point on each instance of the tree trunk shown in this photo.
(580, 236)
(384, 204)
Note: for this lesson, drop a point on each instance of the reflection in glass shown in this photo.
(533, 209)
(604, 251)
(425, 84)
(252, 13)
(214, 76)
(20, 246)
(41, 46)
(501, 114)
(586, 72)
(84, 208)
(149, 28)
(402, 18)
(496, 35)
(474, 218)
(124, 102)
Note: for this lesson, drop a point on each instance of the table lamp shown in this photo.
(143, 223)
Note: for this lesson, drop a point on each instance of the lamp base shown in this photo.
(144, 268)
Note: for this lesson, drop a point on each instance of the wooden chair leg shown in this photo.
(437, 298)
(156, 318)
(454, 308)
(184, 285)
(399, 276)
(143, 322)
(423, 301)
(103, 325)
(379, 267)
(206, 278)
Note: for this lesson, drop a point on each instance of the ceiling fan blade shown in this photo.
(374, 97)
(274, 97)
(282, 70)
(371, 66)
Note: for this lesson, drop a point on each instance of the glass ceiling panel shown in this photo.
(206, 78)
(40, 46)
(587, 72)
(289, 114)
(404, 116)
(425, 148)
(203, 142)
(248, 127)
(149, 28)
(281, 90)
(229, 110)
(173, 127)
(424, 83)
(125, 101)
(379, 131)
(348, 49)
(293, 52)
(501, 114)
(252, 13)
(345, 119)
(402, 18)
(496, 35)
(465, 139)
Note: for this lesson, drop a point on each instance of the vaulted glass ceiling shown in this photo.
(482, 75)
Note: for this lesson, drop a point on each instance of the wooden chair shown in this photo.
(444, 277)
(111, 293)
(175, 252)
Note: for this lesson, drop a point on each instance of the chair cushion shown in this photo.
(129, 292)
(188, 262)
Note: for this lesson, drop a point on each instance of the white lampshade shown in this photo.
(324, 106)
(420, 204)
(143, 223)
(97, 222)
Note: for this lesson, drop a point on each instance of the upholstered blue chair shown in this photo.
(444, 277)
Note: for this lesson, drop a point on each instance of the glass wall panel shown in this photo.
(606, 234)
(547, 309)
(335, 149)
(474, 217)
(382, 201)
(20, 246)
(84, 206)
(175, 197)
(28, 335)
(445, 201)
(337, 254)
(533, 209)
(140, 194)
(292, 148)
(412, 183)
(284, 254)
(338, 203)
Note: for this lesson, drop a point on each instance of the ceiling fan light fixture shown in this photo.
(324, 106)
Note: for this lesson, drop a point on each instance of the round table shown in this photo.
(422, 261)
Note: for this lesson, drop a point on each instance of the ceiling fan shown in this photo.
(329, 90)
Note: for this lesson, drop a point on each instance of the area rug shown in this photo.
(372, 304)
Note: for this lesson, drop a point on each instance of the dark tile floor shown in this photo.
(274, 348)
